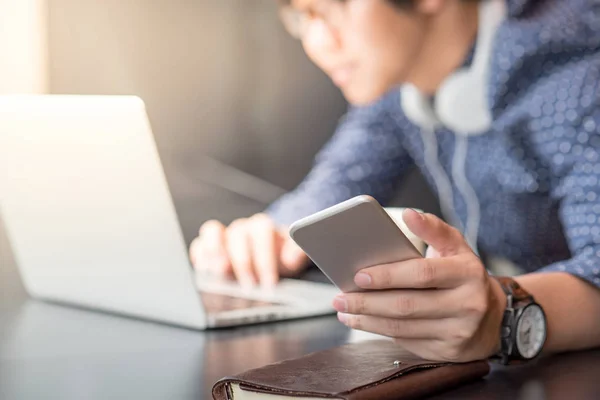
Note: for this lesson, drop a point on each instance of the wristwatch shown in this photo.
(523, 332)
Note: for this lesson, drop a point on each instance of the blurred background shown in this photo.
(237, 109)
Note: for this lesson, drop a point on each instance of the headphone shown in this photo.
(461, 102)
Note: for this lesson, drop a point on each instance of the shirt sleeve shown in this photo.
(575, 159)
(364, 156)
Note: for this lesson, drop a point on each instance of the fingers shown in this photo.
(293, 258)
(263, 238)
(195, 249)
(250, 249)
(404, 304)
(208, 252)
(421, 329)
(419, 273)
(238, 248)
(445, 239)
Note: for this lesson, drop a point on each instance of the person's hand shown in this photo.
(442, 307)
(252, 250)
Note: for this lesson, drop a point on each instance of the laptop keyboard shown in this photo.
(216, 303)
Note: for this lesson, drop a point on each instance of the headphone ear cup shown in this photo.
(461, 104)
(417, 107)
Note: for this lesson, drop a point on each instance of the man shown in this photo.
(499, 107)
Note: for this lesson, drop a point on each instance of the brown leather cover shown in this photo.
(359, 371)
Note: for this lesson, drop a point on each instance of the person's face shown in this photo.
(365, 46)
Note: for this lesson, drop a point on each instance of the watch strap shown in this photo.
(512, 288)
(514, 294)
(505, 339)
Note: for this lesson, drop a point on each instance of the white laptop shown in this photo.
(91, 221)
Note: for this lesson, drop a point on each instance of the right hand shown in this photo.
(252, 250)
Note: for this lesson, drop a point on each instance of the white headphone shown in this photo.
(461, 102)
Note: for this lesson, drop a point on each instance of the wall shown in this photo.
(215, 78)
(23, 65)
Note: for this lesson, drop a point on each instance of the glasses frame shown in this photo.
(296, 22)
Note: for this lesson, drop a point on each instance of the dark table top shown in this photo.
(54, 352)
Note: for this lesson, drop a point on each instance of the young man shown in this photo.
(497, 103)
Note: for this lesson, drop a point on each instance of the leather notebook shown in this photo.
(377, 369)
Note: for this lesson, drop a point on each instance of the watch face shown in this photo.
(531, 331)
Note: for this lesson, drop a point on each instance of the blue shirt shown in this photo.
(536, 173)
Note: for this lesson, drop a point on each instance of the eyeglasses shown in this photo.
(297, 22)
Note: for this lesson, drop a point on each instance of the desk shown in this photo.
(53, 352)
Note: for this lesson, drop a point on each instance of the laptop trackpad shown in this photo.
(215, 303)
(289, 292)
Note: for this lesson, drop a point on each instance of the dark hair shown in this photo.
(409, 3)
(399, 3)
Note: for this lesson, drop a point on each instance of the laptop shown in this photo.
(91, 221)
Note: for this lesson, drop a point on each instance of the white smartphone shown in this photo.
(350, 236)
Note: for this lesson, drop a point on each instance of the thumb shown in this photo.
(293, 257)
(445, 240)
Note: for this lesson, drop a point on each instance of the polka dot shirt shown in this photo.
(536, 172)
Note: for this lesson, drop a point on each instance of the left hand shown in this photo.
(442, 307)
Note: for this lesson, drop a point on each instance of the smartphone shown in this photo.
(356, 234)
